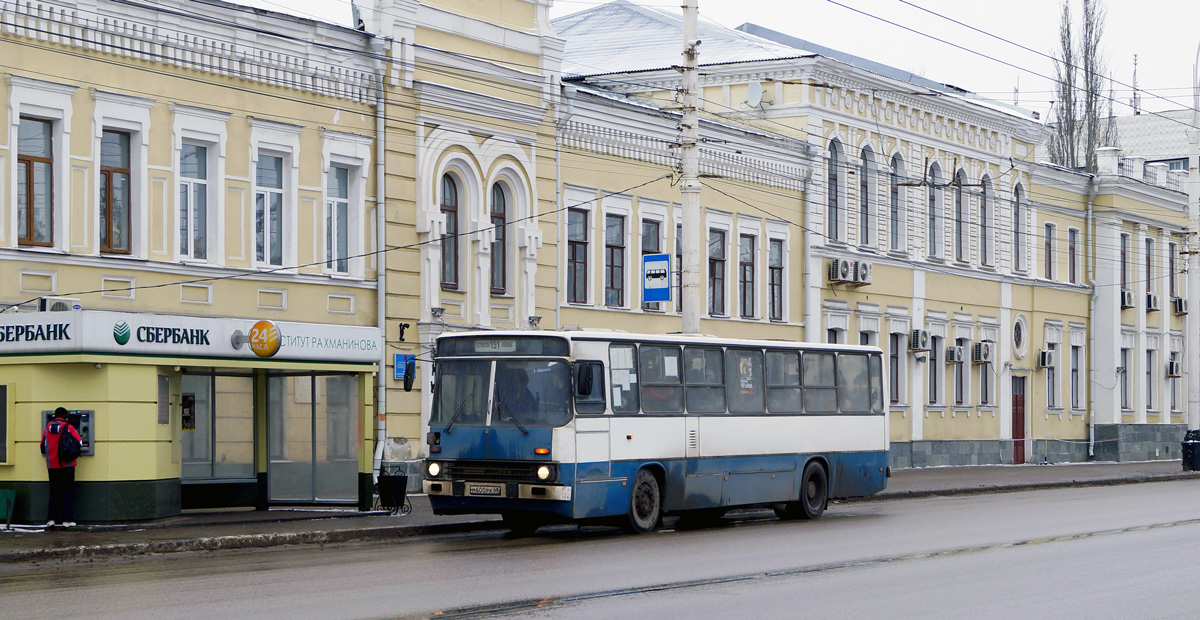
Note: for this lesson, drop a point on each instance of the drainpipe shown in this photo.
(378, 45)
(812, 285)
(1093, 187)
(568, 93)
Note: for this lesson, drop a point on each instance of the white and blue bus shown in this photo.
(542, 426)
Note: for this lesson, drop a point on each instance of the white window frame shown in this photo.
(580, 199)
(987, 223)
(868, 171)
(205, 128)
(778, 231)
(353, 152)
(1020, 230)
(897, 237)
(935, 223)
(619, 206)
(751, 227)
(131, 115)
(724, 223)
(49, 101)
(277, 140)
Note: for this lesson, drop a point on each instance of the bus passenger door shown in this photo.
(593, 470)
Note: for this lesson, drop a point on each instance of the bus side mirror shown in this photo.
(583, 380)
(410, 374)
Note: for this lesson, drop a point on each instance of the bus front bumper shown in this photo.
(508, 490)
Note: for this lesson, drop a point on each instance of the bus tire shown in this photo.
(645, 503)
(814, 495)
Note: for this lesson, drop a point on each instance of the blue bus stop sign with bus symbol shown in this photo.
(656, 277)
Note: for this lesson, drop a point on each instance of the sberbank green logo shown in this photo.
(121, 332)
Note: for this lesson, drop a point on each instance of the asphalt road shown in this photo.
(1101, 552)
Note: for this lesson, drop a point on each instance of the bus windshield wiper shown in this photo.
(459, 411)
(506, 414)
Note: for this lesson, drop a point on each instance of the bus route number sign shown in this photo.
(656, 277)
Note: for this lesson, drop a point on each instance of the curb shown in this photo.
(259, 541)
(243, 541)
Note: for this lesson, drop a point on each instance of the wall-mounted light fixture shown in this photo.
(534, 320)
(403, 326)
(437, 312)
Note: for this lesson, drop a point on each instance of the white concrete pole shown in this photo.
(692, 290)
(1193, 259)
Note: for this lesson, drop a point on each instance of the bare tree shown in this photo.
(1083, 113)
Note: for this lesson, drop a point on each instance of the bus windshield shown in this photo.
(527, 393)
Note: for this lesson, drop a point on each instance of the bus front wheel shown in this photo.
(645, 503)
(814, 495)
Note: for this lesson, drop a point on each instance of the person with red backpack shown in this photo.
(60, 463)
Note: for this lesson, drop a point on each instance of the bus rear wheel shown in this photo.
(645, 504)
(814, 495)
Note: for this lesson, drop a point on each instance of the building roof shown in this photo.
(621, 36)
(1155, 136)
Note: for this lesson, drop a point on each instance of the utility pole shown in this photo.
(1193, 259)
(692, 287)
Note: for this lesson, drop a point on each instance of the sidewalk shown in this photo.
(241, 529)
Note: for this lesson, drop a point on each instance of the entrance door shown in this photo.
(313, 432)
(1018, 420)
(218, 428)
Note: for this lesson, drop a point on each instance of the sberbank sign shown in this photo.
(35, 333)
(161, 335)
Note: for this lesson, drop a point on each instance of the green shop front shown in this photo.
(188, 412)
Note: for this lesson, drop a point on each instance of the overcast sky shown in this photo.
(1163, 33)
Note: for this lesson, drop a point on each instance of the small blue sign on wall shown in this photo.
(401, 363)
(656, 277)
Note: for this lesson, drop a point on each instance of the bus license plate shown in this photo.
(485, 489)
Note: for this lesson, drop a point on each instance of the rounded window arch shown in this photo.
(933, 236)
(451, 211)
(1020, 238)
(986, 208)
(896, 204)
(499, 212)
(833, 212)
(962, 218)
(866, 206)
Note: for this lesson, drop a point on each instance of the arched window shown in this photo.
(1019, 237)
(450, 238)
(833, 218)
(896, 204)
(985, 221)
(933, 237)
(499, 212)
(866, 215)
(962, 248)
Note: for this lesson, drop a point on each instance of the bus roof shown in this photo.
(586, 335)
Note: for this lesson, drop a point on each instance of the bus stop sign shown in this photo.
(656, 277)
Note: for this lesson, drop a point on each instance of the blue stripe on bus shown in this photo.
(691, 484)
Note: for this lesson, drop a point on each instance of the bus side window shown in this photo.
(589, 400)
(854, 392)
(783, 382)
(622, 365)
(820, 382)
(744, 376)
(705, 380)
(661, 384)
(876, 384)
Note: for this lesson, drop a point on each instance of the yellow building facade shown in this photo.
(179, 188)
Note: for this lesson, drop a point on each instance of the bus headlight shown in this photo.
(434, 469)
(543, 472)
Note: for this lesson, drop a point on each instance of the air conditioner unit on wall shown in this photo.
(955, 354)
(1179, 305)
(1127, 299)
(58, 304)
(863, 272)
(1045, 359)
(1174, 368)
(985, 352)
(918, 340)
(841, 270)
(1151, 302)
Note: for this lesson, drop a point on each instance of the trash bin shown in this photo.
(1191, 451)
(393, 488)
